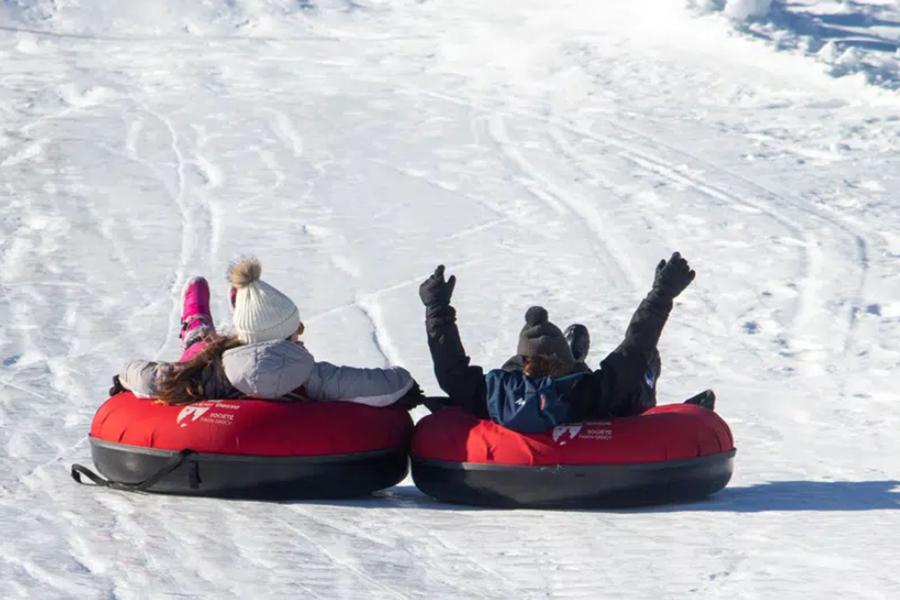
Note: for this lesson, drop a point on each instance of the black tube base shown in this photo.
(573, 486)
(255, 477)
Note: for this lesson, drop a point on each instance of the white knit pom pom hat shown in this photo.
(260, 312)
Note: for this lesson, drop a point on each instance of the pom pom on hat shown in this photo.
(540, 337)
(244, 272)
(536, 315)
(261, 313)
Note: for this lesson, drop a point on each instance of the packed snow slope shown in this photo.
(546, 152)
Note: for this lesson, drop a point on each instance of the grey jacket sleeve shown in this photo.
(375, 387)
(268, 370)
(142, 377)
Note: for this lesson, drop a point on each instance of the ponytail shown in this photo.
(183, 384)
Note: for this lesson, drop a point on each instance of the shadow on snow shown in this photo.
(775, 496)
(862, 27)
(855, 29)
(789, 496)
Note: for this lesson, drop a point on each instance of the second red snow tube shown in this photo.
(251, 448)
(670, 453)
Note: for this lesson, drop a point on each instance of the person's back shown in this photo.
(264, 358)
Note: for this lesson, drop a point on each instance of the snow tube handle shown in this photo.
(173, 463)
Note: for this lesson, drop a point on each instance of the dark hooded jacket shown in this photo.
(616, 389)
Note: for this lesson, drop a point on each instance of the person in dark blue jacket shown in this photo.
(547, 382)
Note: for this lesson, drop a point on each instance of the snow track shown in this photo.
(547, 154)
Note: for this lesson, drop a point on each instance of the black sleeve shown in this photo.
(462, 382)
(642, 335)
(618, 382)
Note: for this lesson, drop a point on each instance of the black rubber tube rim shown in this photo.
(598, 468)
(255, 477)
(564, 486)
(249, 458)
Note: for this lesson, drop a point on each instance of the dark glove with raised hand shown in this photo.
(116, 386)
(672, 276)
(435, 291)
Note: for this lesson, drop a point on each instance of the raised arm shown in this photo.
(464, 383)
(623, 371)
(647, 323)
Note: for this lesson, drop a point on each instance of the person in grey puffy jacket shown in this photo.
(263, 359)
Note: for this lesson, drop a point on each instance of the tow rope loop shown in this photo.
(173, 463)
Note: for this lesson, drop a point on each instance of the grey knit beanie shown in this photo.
(540, 337)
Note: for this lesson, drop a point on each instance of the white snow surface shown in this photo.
(547, 152)
(742, 10)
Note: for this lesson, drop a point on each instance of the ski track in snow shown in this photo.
(190, 230)
(566, 203)
(380, 338)
(287, 133)
(771, 200)
(756, 198)
(544, 159)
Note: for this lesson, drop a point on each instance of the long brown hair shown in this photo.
(541, 365)
(183, 384)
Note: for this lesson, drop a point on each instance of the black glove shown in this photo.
(672, 276)
(434, 291)
(117, 386)
(411, 399)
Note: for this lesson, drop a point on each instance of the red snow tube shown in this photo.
(670, 453)
(250, 448)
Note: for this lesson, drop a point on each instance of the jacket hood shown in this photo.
(268, 369)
